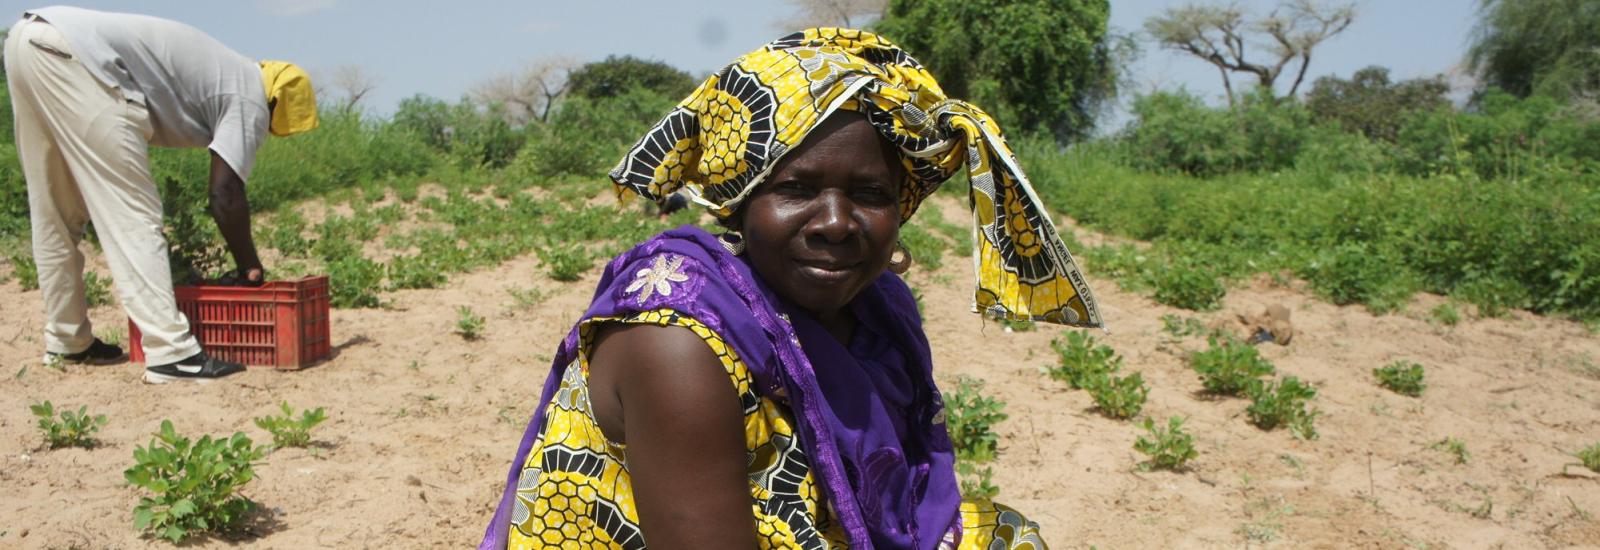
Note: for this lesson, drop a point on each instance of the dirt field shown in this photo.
(422, 426)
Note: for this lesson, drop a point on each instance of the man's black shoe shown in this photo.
(197, 368)
(98, 353)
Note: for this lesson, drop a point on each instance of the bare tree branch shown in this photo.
(352, 83)
(1217, 34)
(529, 92)
(832, 13)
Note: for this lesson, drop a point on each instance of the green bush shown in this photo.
(1590, 457)
(1189, 285)
(194, 486)
(565, 263)
(1119, 396)
(586, 137)
(468, 324)
(26, 272)
(1229, 367)
(286, 430)
(1352, 273)
(73, 429)
(1283, 405)
(970, 417)
(1169, 448)
(1177, 132)
(1402, 377)
(353, 282)
(1081, 359)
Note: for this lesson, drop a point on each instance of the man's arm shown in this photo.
(231, 209)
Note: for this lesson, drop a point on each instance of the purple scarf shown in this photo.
(864, 413)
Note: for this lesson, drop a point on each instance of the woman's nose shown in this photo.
(834, 219)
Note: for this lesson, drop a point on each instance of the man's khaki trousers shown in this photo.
(85, 154)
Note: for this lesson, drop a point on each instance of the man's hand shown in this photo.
(231, 210)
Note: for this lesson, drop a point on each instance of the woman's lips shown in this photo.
(827, 270)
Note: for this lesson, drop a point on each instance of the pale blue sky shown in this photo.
(442, 48)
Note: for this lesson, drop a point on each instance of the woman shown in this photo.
(812, 151)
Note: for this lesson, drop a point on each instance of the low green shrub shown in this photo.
(1402, 377)
(72, 429)
(970, 417)
(194, 485)
(1229, 367)
(1168, 448)
(1080, 359)
(1283, 404)
(286, 430)
(1119, 396)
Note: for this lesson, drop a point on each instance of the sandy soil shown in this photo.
(422, 426)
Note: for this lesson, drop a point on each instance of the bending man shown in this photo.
(91, 91)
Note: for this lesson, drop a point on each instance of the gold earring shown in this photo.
(732, 241)
(900, 259)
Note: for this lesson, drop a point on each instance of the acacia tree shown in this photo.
(832, 13)
(352, 83)
(1036, 65)
(527, 93)
(1221, 34)
(1546, 47)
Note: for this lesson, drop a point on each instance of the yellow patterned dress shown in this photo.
(575, 491)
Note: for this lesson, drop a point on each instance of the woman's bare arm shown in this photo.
(662, 392)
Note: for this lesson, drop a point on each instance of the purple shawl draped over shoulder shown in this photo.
(865, 413)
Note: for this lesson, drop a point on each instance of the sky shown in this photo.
(442, 49)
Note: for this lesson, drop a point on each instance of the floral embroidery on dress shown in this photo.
(658, 278)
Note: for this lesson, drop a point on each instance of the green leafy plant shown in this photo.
(286, 430)
(1402, 377)
(25, 270)
(523, 299)
(96, 289)
(468, 324)
(353, 282)
(1445, 314)
(72, 429)
(1169, 448)
(1119, 396)
(976, 483)
(1179, 326)
(1081, 359)
(1590, 457)
(565, 262)
(195, 486)
(1455, 447)
(1228, 366)
(1283, 404)
(1189, 285)
(970, 417)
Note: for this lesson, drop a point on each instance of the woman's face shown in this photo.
(824, 224)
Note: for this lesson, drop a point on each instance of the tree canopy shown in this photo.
(1368, 102)
(1036, 65)
(618, 74)
(1544, 47)
(1219, 34)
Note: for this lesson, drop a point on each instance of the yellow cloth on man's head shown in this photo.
(722, 141)
(294, 105)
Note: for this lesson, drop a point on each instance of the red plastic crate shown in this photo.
(281, 324)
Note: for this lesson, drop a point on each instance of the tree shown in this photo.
(527, 93)
(832, 13)
(352, 83)
(1372, 105)
(617, 75)
(1036, 65)
(1544, 47)
(1218, 34)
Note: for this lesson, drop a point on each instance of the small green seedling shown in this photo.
(74, 429)
(1181, 326)
(976, 484)
(288, 432)
(1119, 396)
(1081, 359)
(1590, 457)
(1229, 367)
(970, 417)
(468, 324)
(195, 484)
(1169, 448)
(1445, 314)
(1402, 377)
(1283, 404)
(1455, 447)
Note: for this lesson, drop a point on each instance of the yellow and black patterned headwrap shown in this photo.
(723, 140)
